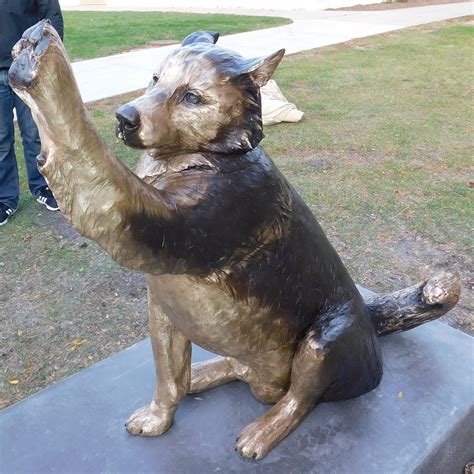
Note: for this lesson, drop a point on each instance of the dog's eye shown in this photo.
(191, 98)
(155, 78)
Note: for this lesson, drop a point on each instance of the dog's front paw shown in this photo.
(255, 440)
(147, 422)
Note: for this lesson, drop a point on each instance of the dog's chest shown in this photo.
(213, 319)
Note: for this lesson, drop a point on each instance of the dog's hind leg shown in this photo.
(212, 373)
(172, 354)
(220, 370)
(339, 354)
(267, 373)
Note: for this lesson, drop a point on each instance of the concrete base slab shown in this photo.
(420, 419)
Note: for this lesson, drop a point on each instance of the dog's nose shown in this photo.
(128, 117)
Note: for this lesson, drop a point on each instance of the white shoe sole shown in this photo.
(47, 207)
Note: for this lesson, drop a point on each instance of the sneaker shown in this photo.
(45, 197)
(5, 213)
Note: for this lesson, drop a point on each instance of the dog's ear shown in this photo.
(260, 70)
(201, 37)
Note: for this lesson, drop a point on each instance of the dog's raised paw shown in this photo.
(27, 54)
(144, 422)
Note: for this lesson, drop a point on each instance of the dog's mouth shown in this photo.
(127, 126)
(128, 135)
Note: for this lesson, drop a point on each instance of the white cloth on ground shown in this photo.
(275, 107)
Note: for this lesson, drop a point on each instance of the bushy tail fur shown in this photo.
(410, 307)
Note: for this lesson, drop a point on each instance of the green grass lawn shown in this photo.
(93, 34)
(393, 116)
(383, 157)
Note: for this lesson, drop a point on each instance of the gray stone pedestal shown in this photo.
(420, 419)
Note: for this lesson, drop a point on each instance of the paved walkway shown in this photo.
(242, 7)
(121, 73)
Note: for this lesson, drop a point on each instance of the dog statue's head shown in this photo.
(201, 98)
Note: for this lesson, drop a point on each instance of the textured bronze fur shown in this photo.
(236, 261)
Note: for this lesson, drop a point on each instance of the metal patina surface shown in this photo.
(236, 261)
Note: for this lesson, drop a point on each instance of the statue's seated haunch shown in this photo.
(236, 261)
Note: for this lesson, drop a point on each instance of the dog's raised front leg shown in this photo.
(172, 353)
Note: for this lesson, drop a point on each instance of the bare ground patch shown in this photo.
(388, 264)
(55, 320)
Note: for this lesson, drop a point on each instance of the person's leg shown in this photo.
(9, 186)
(32, 148)
(31, 145)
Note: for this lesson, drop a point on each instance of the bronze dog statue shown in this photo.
(236, 261)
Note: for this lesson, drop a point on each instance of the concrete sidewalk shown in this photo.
(113, 75)
(217, 6)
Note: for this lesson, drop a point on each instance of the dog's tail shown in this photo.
(408, 308)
